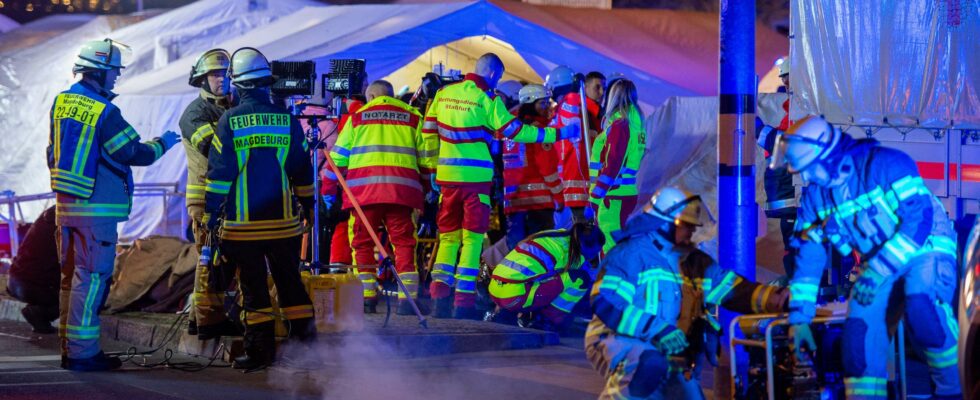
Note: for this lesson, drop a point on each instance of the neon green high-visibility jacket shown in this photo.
(464, 118)
(616, 156)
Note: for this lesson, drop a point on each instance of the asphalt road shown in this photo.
(29, 369)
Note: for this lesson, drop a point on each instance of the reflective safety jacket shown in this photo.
(197, 125)
(465, 117)
(537, 259)
(531, 179)
(90, 151)
(638, 294)
(381, 154)
(616, 156)
(258, 163)
(883, 212)
(574, 165)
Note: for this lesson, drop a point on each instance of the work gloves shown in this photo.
(867, 284)
(802, 336)
(435, 186)
(169, 139)
(210, 222)
(671, 341)
(571, 132)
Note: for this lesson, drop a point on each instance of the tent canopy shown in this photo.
(667, 53)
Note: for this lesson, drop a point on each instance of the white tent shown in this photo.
(399, 41)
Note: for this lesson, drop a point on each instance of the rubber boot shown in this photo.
(467, 313)
(371, 306)
(98, 362)
(405, 308)
(38, 318)
(444, 308)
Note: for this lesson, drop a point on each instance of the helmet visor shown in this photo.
(121, 54)
(778, 158)
(692, 211)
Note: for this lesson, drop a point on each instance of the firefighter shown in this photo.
(257, 164)
(383, 158)
(532, 188)
(870, 200)
(91, 149)
(616, 156)
(545, 274)
(465, 118)
(637, 299)
(782, 193)
(564, 86)
(197, 125)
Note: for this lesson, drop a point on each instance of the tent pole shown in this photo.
(737, 210)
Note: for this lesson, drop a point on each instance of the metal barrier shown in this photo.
(164, 190)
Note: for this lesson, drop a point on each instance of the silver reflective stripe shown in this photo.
(576, 197)
(430, 125)
(429, 153)
(532, 186)
(379, 148)
(398, 180)
(576, 184)
(780, 204)
(551, 178)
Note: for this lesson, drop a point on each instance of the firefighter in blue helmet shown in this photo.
(870, 200)
(90, 152)
(637, 300)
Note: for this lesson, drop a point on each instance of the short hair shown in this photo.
(487, 63)
(380, 87)
(594, 75)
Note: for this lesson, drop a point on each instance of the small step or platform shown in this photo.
(403, 334)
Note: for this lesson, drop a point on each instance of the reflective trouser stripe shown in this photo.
(469, 262)
(89, 254)
(866, 388)
(411, 281)
(259, 316)
(369, 280)
(444, 268)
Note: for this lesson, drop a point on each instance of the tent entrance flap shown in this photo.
(462, 55)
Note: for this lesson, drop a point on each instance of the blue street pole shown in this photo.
(737, 210)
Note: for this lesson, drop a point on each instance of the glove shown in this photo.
(210, 223)
(435, 186)
(589, 213)
(867, 284)
(168, 139)
(802, 314)
(572, 131)
(328, 200)
(801, 335)
(671, 341)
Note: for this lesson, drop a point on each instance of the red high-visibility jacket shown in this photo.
(531, 180)
(574, 163)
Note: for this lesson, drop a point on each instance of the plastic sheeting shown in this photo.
(908, 62)
(7, 24)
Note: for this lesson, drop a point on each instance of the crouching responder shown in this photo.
(90, 153)
(532, 188)
(466, 117)
(257, 164)
(865, 198)
(197, 125)
(616, 156)
(382, 153)
(564, 85)
(637, 299)
(544, 274)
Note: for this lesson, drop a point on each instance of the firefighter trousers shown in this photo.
(256, 260)
(207, 302)
(463, 219)
(633, 368)
(929, 289)
(553, 296)
(88, 254)
(397, 221)
(611, 216)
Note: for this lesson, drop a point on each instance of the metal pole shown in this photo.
(737, 210)
(12, 223)
(315, 236)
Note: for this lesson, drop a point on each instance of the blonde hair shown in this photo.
(622, 96)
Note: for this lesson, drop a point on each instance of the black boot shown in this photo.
(505, 317)
(405, 308)
(467, 313)
(260, 348)
(98, 362)
(38, 318)
(215, 331)
(370, 306)
(444, 308)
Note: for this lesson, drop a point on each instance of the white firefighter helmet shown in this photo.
(783, 66)
(211, 60)
(248, 64)
(533, 92)
(560, 76)
(509, 88)
(809, 140)
(676, 206)
(103, 54)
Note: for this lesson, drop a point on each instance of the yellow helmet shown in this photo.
(211, 60)
(676, 206)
